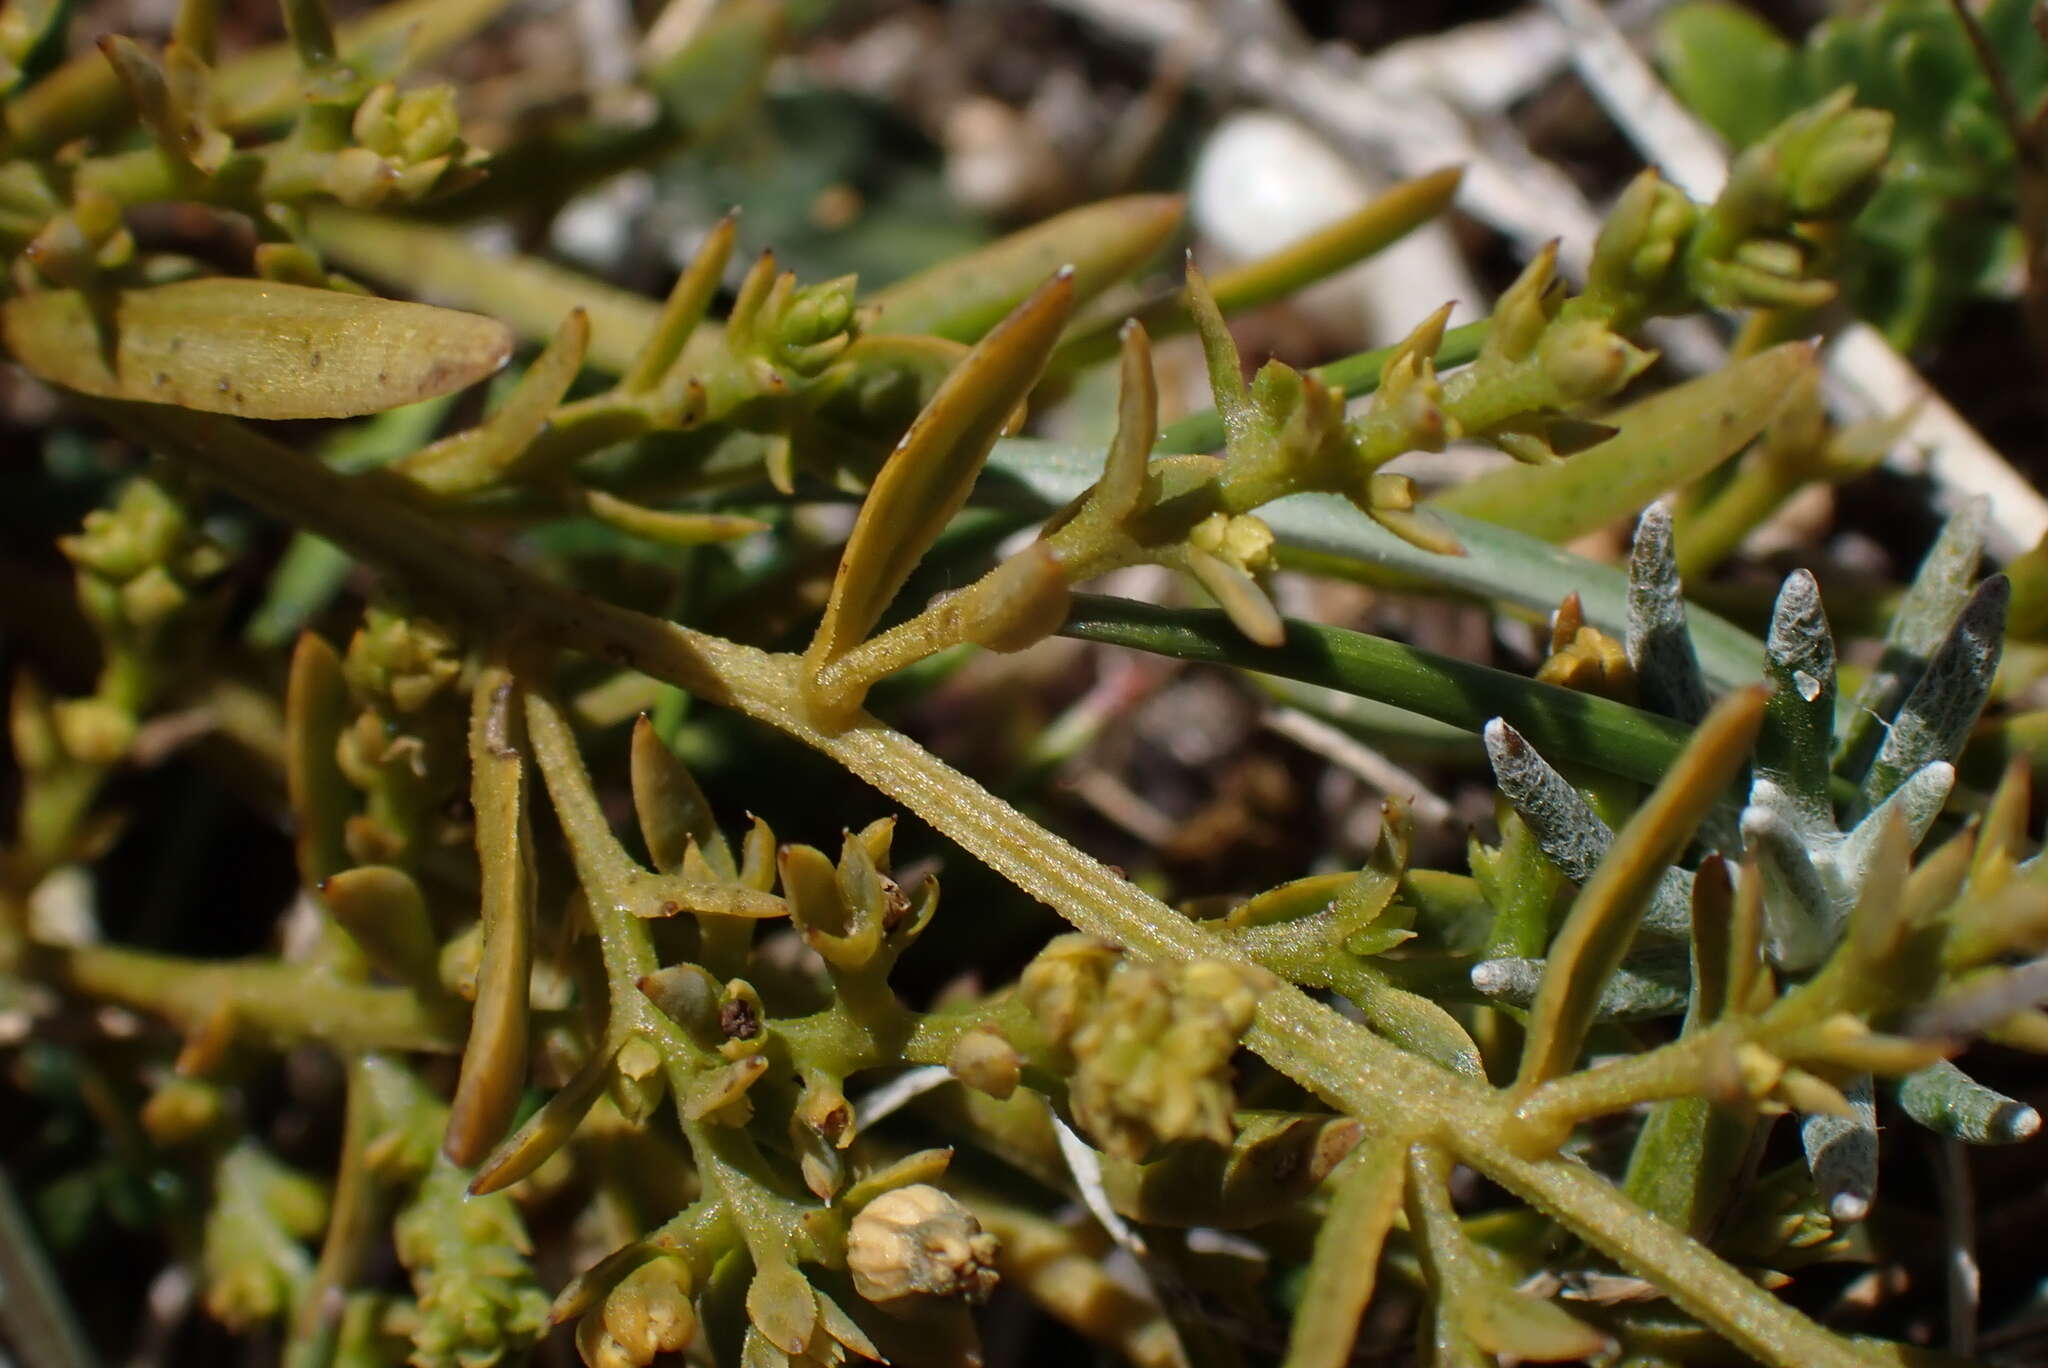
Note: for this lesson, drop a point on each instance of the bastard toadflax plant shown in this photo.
(539, 662)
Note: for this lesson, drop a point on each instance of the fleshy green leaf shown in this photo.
(928, 476)
(494, 1061)
(1346, 1261)
(1664, 442)
(1371, 228)
(1841, 1151)
(252, 348)
(1793, 749)
(1567, 828)
(963, 298)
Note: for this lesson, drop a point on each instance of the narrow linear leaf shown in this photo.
(1686, 1162)
(547, 1130)
(666, 527)
(688, 300)
(1345, 1265)
(39, 1316)
(441, 263)
(1666, 441)
(1801, 913)
(1643, 987)
(928, 476)
(673, 810)
(1478, 1317)
(494, 1060)
(965, 297)
(1915, 804)
(1603, 920)
(671, 896)
(1137, 423)
(490, 452)
(1598, 732)
(1713, 947)
(315, 711)
(252, 348)
(1415, 1023)
(1369, 229)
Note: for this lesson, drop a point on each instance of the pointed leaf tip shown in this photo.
(927, 478)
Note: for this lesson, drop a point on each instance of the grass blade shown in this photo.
(1604, 734)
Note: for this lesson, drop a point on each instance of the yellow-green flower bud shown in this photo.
(918, 1242)
(145, 527)
(1639, 243)
(374, 126)
(400, 661)
(360, 179)
(816, 312)
(93, 731)
(479, 1303)
(986, 1062)
(253, 1263)
(1063, 986)
(152, 599)
(427, 124)
(183, 1110)
(1831, 157)
(1153, 1064)
(1586, 360)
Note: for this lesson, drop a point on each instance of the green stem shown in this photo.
(533, 296)
(84, 96)
(1355, 375)
(287, 1002)
(1319, 255)
(350, 1230)
(1336, 1058)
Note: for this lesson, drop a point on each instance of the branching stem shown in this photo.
(1342, 1062)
